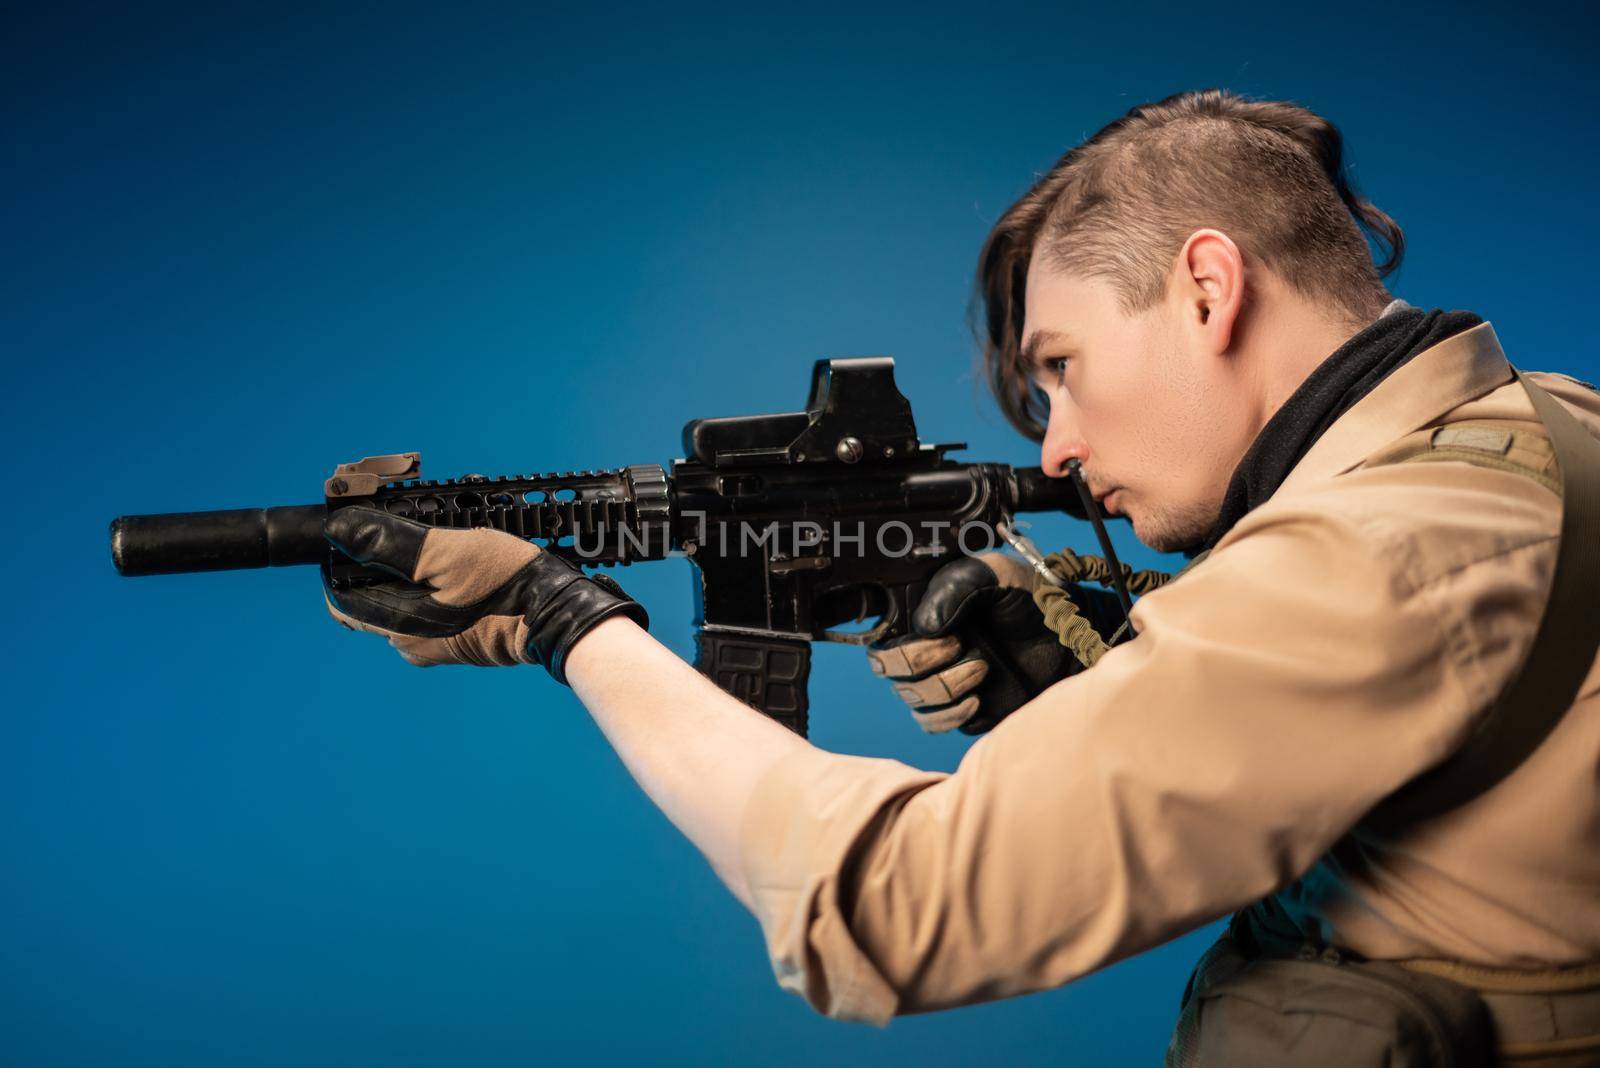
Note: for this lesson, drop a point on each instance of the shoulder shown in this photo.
(1419, 522)
(1425, 521)
(1462, 550)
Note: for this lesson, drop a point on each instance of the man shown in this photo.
(1186, 306)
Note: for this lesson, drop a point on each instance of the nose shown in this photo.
(1062, 442)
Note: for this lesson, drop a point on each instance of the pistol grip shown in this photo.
(765, 670)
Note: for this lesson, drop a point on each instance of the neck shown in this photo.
(1288, 339)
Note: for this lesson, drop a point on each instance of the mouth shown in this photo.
(1104, 496)
(1109, 500)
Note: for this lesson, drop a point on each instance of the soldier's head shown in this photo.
(1148, 303)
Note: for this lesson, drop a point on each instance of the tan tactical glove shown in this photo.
(979, 648)
(479, 597)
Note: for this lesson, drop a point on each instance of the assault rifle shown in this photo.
(797, 524)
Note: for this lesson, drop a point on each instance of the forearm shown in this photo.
(697, 752)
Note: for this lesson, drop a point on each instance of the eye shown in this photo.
(1055, 369)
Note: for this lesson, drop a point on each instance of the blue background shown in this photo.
(241, 244)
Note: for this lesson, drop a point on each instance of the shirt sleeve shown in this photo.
(1274, 694)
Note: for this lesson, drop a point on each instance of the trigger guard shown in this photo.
(865, 637)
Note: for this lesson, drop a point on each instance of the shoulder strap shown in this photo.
(1563, 650)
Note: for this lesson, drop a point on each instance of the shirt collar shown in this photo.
(1437, 380)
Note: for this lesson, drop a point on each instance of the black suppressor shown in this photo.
(218, 541)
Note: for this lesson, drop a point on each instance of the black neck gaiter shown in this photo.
(1341, 380)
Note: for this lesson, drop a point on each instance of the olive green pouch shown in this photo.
(1324, 1010)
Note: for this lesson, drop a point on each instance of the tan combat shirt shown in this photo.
(1339, 641)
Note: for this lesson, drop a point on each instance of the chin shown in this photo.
(1140, 524)
(1164, 532)
(1147, 536)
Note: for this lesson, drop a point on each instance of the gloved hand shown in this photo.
(979, 648)
(480, 597)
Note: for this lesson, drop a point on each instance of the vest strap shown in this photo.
(1564, 645)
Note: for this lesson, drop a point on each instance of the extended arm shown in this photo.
(697, 752)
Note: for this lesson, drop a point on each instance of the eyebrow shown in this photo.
(1038, 340)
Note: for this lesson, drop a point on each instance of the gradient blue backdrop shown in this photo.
(244, 243)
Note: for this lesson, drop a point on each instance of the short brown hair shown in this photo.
(1119, 206)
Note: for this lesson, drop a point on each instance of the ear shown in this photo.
(1210, 285)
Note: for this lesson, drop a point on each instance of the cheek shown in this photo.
(1130, 407)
